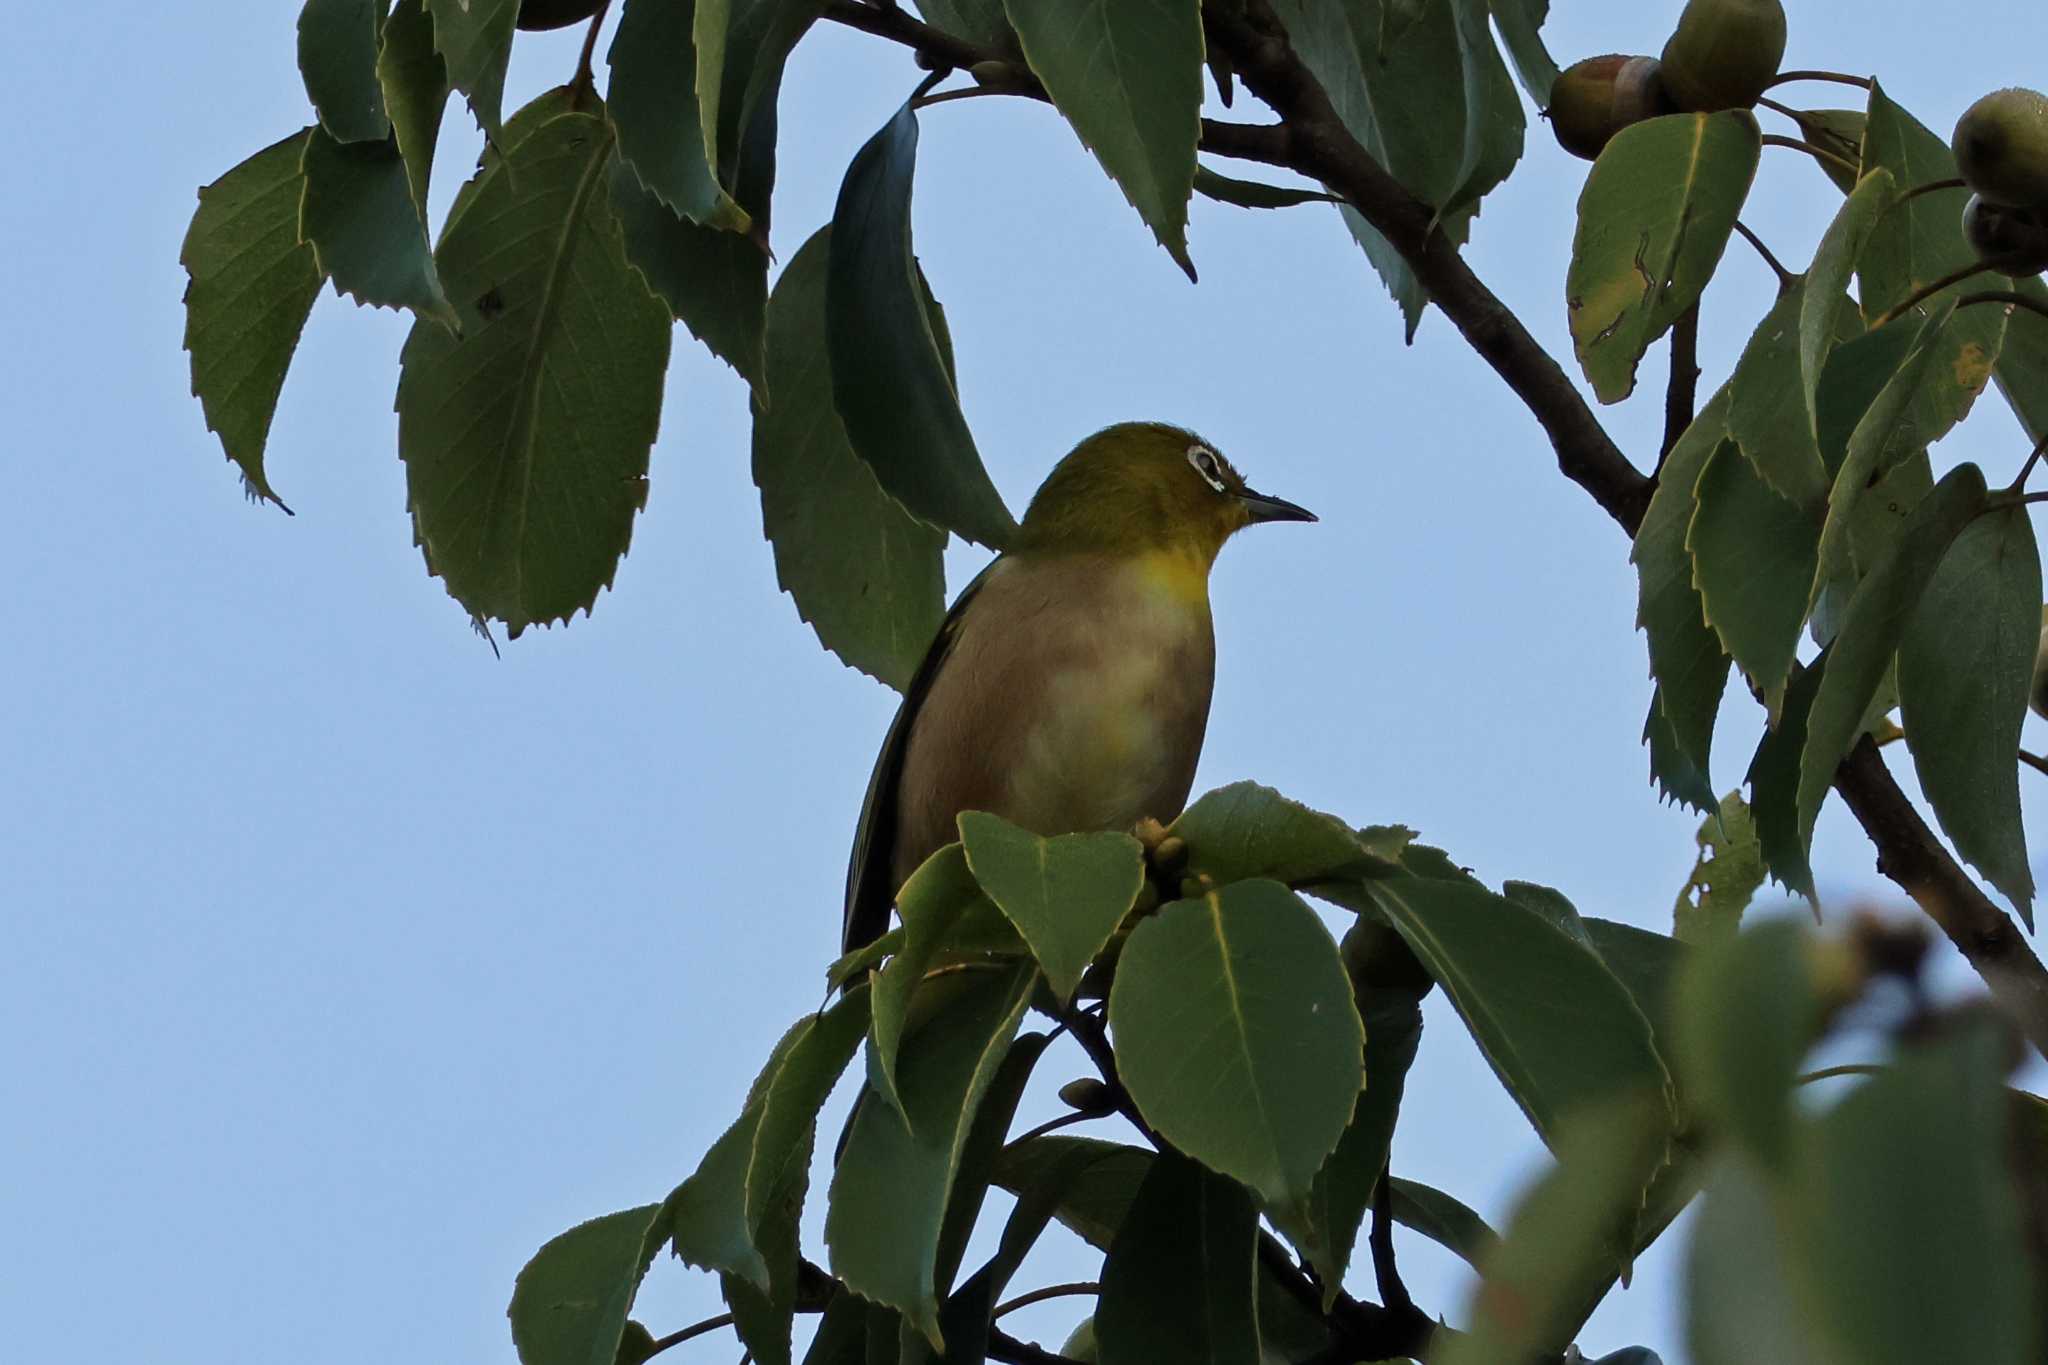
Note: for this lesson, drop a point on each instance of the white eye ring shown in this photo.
(1204, 461)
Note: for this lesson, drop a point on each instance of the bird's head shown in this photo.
(1141, 486)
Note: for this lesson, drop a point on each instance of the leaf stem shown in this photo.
(1818, 153)
(2019, 481)
(1836, 77)
(695, 1329)
(972, 92)
(2034, 761)
(1928, 291)
(1829, 1073)
(1051, 1291)
(1931, 187)
(584, 82)
(1786, 279)
(1053, 1125)
(2011, 296)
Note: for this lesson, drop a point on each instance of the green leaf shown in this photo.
(2022, 369)
(1179, 1283)
(713, 282)
(251, 284)
(1646, 964)
(1837, 131)
(1254, 194)
(976, 1165)
(764, 1320)
(1783, 830)
(1570, 1237)
(1824, 307)
(525, 439)
(890, 379)
(759, 36)
(842, 1337)
(360, 218)
(1653, 220)
(1855, 373)
(569, 1304)
(1744, 1016)
(1965, 665)
(1237, 1037)
(1743, 1306)
(1443, 1219)
(889, 1192)
(654, 99)
(1429, 98)
(1725, 876)
(338, 60)
(1872, 628)
(1244, 830)
(868, 577)
(1771, 412)
(1753, 555)
(414, 80)
(1519, 22)
(1098, 1193)
(1066, 895)
(1552, 904)
(1556, 1026)
(720, 1217)
(474, 37)
(1916, 1251)
(1128, 78)
(1686, 657)
(981, 22)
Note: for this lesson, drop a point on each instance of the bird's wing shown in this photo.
(870, 888)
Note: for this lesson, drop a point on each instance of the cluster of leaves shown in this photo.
(1801, 499)
(1650, 1068)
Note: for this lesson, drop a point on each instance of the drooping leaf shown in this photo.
(759, 36)
(764, 1320)
(655, 105)
(869, 577)
(474, 38)
(1725, 876)
(414, 80)
(1770, 414)
(713, 282)
(1872, 628)
(338, 61)
(1253, 194)
(1556, 1026)
(889, 378)
(1128, 78)
(1745, 1015)
(1571, 1236)
(569, 1304)
(1824, 300)
(1782, 832)
(1180, 1281)
(1838, 132)
(525, 439)
(359, 216)
(1653, 220)
(1686, 658)
(888, 1199)
(251, 284)
(720, 1217)
(1646, 964)
(1520, 23)
(1066, 895)
(1443, 1219)
(1243, 989)
(1966, 662)
(2022, 370)
(1753, 555)
(1244, 830)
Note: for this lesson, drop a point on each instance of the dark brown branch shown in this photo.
(1786, 279)
(2034, 761)
(695, 1329)
(1838, 77)
(1681, 392)
(1051, 1291)
(1008, 1349)
(1386, 1274)
(583, 82)
(1929, 290)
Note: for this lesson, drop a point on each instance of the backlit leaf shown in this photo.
(474, 37)
(655, 105)
(414, 80)
(1725, 876)
(359, 216)
(338, 60)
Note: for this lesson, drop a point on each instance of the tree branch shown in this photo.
(1008, 1349)
(1681, 393)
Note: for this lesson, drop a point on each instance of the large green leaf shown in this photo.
(1244, 830)
(1653, 220)
(569, 1304)
(1095, 1198)
(1965, 664)
(359, 216)
(1424, 90)
(759, 35)
(338, 61)
(889, 1192)
(764, 1320)
(525, 439)
(1744, 1016)
(869, 577)
(1066, 895)
(1520, 23)
(890, 380)
(1237, 1036)
(251, 283)
(1646, 962)
(1725, 876)
(414, 80)
(1180, 1280)
(718, 1217)
(1571, 1237)
(1872, 628)
(1783, 830)
(714, 282)
(1823, 304)
(474, 37)
(1686, 658)
(1444, 1219)
(1753, 555)
(1128, 77)
(1771, 412)
(2022, 370)
(654, 98)
(1554, 1023)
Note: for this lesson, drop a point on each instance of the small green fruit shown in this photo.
(2040, 693)
(1724, 53)
(2001, 147)
(535, 15)
(2009, 240)
(1594, 99)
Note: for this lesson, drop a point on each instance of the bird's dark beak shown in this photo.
(1263, 508)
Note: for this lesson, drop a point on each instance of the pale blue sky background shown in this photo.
(341, 963)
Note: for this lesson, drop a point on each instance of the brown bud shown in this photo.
(1088, 1095)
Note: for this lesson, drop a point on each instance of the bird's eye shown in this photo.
(1204, 461)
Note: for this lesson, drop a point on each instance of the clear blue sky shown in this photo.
(344, 963)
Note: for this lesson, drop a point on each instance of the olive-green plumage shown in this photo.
(1069, 687)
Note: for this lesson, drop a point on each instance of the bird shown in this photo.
(1068, 688)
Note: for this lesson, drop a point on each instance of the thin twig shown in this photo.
(1829, 1073)
(1786, 279)
(1787, 110)
(2019, 481)
(1386, 1274)
(1053, 1125)
(972, 92)
(2011, 296)
(695, 1329)
(2034, 761)
(1681, 391)
(1816, 152)
(584, 80)
(1928, 291)
(2027, 498)
(1051, 1291)
(1931, 187)
(1837, 77)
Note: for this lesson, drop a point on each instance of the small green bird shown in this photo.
(1068, 689)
